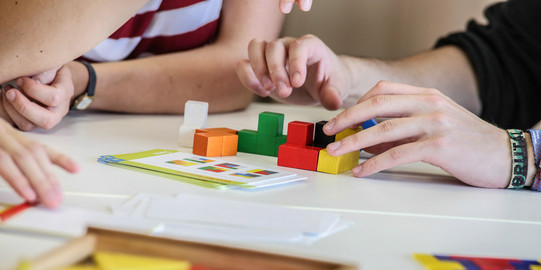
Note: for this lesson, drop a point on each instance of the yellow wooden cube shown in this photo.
(335, 165)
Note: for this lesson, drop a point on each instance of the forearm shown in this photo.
(39, 35)
(162, 84)
(446, 69)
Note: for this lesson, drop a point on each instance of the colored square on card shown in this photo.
(213, 169)
(182, 163)
(262, 172)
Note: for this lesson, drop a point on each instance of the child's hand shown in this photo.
(287, 5)
(38, 104)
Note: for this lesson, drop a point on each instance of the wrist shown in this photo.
(80, 78)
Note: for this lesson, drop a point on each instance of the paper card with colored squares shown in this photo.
(211, 170)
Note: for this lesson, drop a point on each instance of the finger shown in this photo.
(35, 166)
(381, 106)
(403, 154)
(276, 55)
(299, 51)
(388, 131)
(27, 114)
(305, 5)
(248, 78)
(286, 5)
(330, 97)
(59, 93)
(20, 121)
(46, 77)
(63, 161)
(392, 88)
(256, 55)
(11, 173)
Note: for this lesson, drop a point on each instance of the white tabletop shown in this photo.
(411, 209)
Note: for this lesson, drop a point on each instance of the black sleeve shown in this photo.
(506, 57)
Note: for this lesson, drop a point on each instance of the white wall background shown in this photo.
(383, 28)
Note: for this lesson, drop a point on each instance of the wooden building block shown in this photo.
(300, 133)
(215, 142)
(213, 130)
(195, 113)
(267, 145)
(230, 144)
(195, 117)
(299, 157)
(339, 164)
(185, 135)
(247, 141)
(208, 144)
(270, 124)
(346, 132)
(368, 124)
(320, 138)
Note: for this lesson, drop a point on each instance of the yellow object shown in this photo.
(335, 165)
(535, 267)
(120, 261)
(81, 267)
(25, 265)
(346, 132)
(432, 263)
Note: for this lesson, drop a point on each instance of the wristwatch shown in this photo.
(83, 101)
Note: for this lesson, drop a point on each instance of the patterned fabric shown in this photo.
(535, 134)
(161, 26)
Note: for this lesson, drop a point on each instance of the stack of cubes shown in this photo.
(268, 137)
(305, 148)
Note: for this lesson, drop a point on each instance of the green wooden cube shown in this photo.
(270, 124)
(247, 141)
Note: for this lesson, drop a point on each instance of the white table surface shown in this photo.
(411, 209)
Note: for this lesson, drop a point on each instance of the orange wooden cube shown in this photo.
(215, 142)
(208, 144)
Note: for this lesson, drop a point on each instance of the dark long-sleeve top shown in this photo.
(506, 57)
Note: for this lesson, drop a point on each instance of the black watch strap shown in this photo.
(90, 88)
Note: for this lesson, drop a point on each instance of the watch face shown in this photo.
(83, 103)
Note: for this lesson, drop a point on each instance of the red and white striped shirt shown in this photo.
(161, 26)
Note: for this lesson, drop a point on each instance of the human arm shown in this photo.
(45, 32)
(425, 125)
(320, 76)
(163, 83)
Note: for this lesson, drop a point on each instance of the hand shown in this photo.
(287, 5)
(26, 166)
(305, 63)
(426, 126)
(38, 104)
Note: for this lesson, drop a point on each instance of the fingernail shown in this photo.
(287, 7)
(51, 198)
(334, 146)
(19, 82)
(29, 194)
(304, 6)
(11, 95)
(329, 125)
(282, 87)
(357, 170)
(267, 83)
(296, 78)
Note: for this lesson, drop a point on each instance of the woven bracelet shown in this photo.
(519, 169)
(535, 134)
